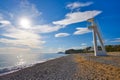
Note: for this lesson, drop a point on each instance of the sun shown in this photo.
(25, 23)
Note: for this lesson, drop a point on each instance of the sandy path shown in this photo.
(93, 69)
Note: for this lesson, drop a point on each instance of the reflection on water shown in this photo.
(21, 60)
(8, 60)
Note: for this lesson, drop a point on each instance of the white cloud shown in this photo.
(54, 49)
(62, 35)
(75, 47)
(79, 47)
(11, 50)
(24, 9)
(31, 37)
(75, 5)
(81, 31)
(1, 16)
(22, 38)
(83, 44)
(76, 17)
(5, 22)
(46, 28)
(83, 47)
(29, 9)
(116, 40)
(14, 35)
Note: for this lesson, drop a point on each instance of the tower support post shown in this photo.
(96, 34)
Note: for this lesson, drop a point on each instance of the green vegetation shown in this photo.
(112, 48)
(109, 48)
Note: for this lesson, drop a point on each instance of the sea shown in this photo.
(13, 62)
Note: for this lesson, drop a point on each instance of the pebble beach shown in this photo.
(71, 67)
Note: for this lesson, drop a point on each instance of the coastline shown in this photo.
(7, 68)
(71, 67)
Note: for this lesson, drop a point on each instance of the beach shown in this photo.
(71, 67)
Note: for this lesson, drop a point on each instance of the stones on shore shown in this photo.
(71, 67)
(58, 69)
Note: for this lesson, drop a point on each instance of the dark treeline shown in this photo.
(112, 48)
(109, 48)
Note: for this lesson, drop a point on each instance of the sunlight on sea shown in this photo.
(12, 62)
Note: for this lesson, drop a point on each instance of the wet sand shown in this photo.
(71, 67)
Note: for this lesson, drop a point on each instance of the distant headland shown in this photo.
(109, 48)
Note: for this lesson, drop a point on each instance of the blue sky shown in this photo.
(48, 26)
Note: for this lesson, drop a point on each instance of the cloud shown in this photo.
(76, 17)
(54, 49)
(116, 40)
(81, 31)
(75, 47)
(62, 35)
(4, 22)
(75, 5)
(22, 38)
(83, 44)
(29, 9)
(1, 16)
(24, 8)
(16, 37)
(30, 38)
(11, 50)
(46, 28)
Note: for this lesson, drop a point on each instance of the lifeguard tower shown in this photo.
(96, 36)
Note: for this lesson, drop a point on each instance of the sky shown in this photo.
(49, 26)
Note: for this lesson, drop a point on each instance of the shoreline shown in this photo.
(46, 69)
(11, 69)
(70, 67)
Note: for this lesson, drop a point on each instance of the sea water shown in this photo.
(13, 62)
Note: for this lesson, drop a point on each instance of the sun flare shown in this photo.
(25, 23)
